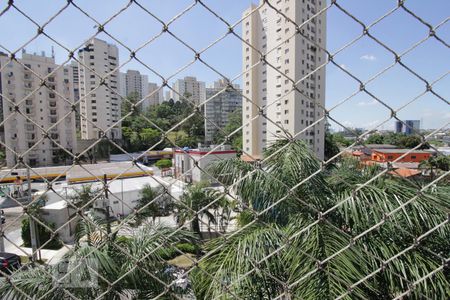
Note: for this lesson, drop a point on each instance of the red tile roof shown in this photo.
(405, 172)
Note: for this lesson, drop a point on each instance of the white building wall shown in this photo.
(41, 104)
(100, 104)
(184, 162)
(293, 56)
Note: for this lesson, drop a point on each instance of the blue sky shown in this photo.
(199, 28)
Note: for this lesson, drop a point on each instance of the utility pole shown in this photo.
(32, 223)
(108, 224)
(2, 241)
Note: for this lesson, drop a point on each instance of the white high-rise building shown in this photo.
(293, 57)
(189, 88)
(133, 83)
(75, 77)
(217, 109)
(32, 106)
(100, 103)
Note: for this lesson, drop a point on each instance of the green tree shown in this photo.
(341, 140)
(375, 139)
(129, 105)
(442, 162)
(331, 146)
(153, 202)
(189, 209)
(163, 164)
(136, 263)
(234, 123)
(353, 207)
(149, 137)
(434, 163)
(411, 141)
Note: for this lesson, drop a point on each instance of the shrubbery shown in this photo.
(43, 234)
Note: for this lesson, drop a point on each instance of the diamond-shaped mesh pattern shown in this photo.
(286, 225)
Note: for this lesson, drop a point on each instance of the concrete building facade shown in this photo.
(189, 164)
(294, 57)
(155, 95)
(190, 88)
(133, 83)
(222, 100)
(75, 77)
(100, 104)
(28, 106)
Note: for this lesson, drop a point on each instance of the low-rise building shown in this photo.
(190, 164)
(399, 155)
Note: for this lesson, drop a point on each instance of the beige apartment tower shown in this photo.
(48, 107)
(291, 55)
(100, 103)
(189, 87)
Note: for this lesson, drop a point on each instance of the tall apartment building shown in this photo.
(99, 109)
(133, 83)
(407, 127)
(41, 104)
(218, 108)
(293, 56)
(190, 88)
(75, 77)
(156, 97)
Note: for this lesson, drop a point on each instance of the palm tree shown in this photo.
(428, 164)
(190, 206)
(289, 247)
(134, 260)
(81, 200)
(153, 202)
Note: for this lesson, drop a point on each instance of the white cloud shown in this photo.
(347, 123)
(371, 124)
(370, 57)
(367, 103)
(343, 66)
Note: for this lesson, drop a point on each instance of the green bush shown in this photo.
(43, 234)
(188, 248)
(172, 252)
(168, 253)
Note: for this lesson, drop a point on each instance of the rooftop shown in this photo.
(84, 172)
(373, 146)
(400, 151)
(405, 172)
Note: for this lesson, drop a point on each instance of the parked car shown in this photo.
(9, 262)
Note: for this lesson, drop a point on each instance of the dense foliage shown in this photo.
(398, 139)
(348, 231)
(44, 235)
(288, 246)
(142, 130)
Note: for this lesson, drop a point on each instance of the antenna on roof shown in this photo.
(53, 52)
